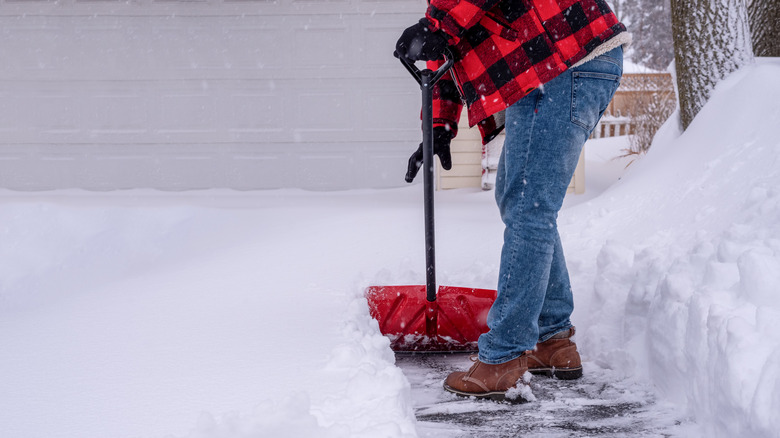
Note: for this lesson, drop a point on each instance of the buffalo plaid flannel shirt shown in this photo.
(507, 48)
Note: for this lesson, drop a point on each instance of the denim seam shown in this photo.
(523, 200)
(611, 60)
(574, 100)
(596, 75)
(591, 75)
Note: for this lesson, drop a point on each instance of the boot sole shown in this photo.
(558, 373)
(499, 396)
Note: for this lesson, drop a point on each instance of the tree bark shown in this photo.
(711, 40)
(764, 17)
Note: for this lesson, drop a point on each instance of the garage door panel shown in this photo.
(321, 46)
(116, 116)
(378, 40)
(185, 115)
(320, 111)
(190, 171)
(399, 103)
(60, 110)
(99, 50)
(325, 167)
(256, 112)
(385, 163)
(252, 166)
(30, 47)
(256, 48)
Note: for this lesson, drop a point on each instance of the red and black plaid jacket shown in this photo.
(505, 49)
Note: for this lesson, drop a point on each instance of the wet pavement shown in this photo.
(597, 405)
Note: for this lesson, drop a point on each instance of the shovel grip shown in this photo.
(417, 73)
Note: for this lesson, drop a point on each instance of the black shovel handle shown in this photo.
(427, 79)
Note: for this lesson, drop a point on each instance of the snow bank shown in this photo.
(685, 276)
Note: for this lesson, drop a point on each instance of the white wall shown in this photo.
(246, 94)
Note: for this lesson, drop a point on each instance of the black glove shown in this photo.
(418, 43)
(441, 147)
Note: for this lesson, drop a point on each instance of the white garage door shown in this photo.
(246, 94)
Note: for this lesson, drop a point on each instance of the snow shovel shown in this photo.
(418, 318)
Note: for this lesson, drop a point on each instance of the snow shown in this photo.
(632, 67)
(133, 314)
(684, 275)
(240, 314)
(522, 392)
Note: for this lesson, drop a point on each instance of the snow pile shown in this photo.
(686, 287)
(522, 391)
(372, 402)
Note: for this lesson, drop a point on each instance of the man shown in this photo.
(544, 70)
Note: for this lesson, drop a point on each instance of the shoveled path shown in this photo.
(597, 405)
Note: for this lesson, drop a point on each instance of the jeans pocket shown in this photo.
(591, 93)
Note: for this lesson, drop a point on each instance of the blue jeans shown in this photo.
(545, 132)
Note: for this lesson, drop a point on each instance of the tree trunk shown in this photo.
(711, 40)
(764, 17)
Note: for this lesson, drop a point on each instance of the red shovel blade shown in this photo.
(451, 323)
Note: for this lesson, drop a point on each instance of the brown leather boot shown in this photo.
(556, 357)
(496, 382)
